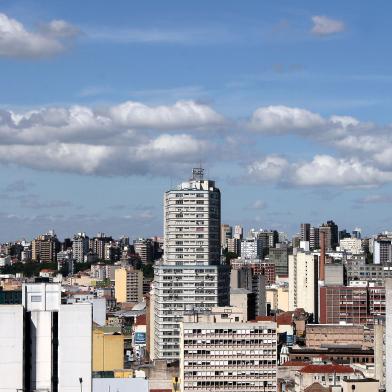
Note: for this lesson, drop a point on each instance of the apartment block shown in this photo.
(219, 351)
(128, 285)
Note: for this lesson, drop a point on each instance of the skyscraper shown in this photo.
(190, 276)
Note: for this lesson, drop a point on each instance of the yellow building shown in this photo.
(128, 285)
(108, 349)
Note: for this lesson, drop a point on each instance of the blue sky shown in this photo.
(105, 105)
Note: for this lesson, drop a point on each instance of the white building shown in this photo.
(219, 351)
(190, 276)
(351, 245)
(45, 345)
(80, 246)
(251, 248)
(382, 250)
(303, 282)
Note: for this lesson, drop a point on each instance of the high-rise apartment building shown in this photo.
(128, 284)
(45, 345)
(331, 231)
(97, 245)
(238, 232)
(45, 247)
(220, 351)
(252, 248)
(305, 232)
(234, 246)
(226, 233)
(314, 238)
(80, 246)
(303, 282)
(190, 275)
(279, 256)
(144, 248)
(382, 250)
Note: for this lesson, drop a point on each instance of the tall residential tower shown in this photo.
(190, 276)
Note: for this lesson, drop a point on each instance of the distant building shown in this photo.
(80, 246)
(144, 248)
(226, 233)
(45, 247)
(305, 231)
(128, 285)
(351, 245)
(303, 282)
(279, 256)
(382, 250)
(314, 238)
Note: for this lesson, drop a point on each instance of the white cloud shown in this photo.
(284, 119)
(258, 205)
(183, 114)
(271, 168)
(322, 25)
(327, 170)
(322, 170)
(60, 28)
(17, 41)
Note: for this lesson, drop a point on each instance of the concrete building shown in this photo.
(314, 238)
(246, 301)
(351, 245)
(303, 282)
(388, 334)
(80, 246)
(108, 349)
(190, 275)
(45, 247)
(305, 232)
(234, 245)
(45, 345)
(252, 248)
(332, 335)
(226, 234)
(144, 248)
(382, 250)
(238, 232)
(128, 285)
(279, 256)
(334, 274)
(219, 351)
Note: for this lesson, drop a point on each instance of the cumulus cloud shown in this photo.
(17, 41)
(124, 139)
(183, 114)
(271, 168)
(322, 170)
(322, 25)
(282, 119)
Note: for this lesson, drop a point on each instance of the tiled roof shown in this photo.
(295, 363)
(316, 387)
(327, 369)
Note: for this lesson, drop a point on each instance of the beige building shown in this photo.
(219, 351)
(278, 297)
(303, 282)
(44, 248)
(328, 335)
(351, 245)
(128, 285)
(108, 349)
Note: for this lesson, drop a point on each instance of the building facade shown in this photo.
(190, 275)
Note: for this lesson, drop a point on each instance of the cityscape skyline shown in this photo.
(271, 99)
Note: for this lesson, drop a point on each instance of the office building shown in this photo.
(45, 345)
(128, 285)
(190, 275)
(303, 282)
(280, 257)
(219, 351)
(80, 247)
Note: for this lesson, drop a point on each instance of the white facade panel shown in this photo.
(11, 347)
(41, 350)
(75, 347)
